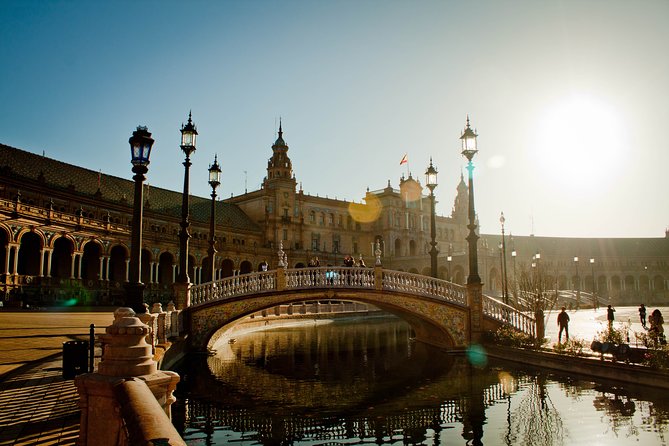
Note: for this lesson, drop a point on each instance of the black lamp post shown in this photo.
(468, 151)
(140, 151)
(506, 277)
(431, 183)
(188, 137)
(214, 182)
(578, 284)
(594, 283)
(449, 259)
(515, 277)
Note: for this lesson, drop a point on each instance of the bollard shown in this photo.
(91, 349)
(74, 358)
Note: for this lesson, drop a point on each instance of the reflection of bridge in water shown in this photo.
(440, 312)
(413, 423)
(266, 390)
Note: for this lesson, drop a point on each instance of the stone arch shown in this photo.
(629, 283)
(5, 237)
(146, 266)
(644, 283)
(398, 247)
(459, 275)
(659, 283)
(90, 262)
(494, 279)
(191, 268)
(61, 259)
(29, 254)
(227, 268)
(297, 265)
(166, 268)
(427, 271)
(432, 321)
(412, 247)
(616, 284)
(117, 265)
(245, 267)
(562, 282)
(601, 285)
(413, 271)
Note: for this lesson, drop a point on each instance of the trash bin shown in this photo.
(75, 358)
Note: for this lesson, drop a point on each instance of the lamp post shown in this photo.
(594, 283)
(515, 278)
(506, 277)
(469, 149)
(214, 182)
(449, 259)
(431, 183)
(140, 151)
(578, 284)
(188, 137)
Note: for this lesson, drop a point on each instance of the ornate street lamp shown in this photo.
(506, 277)
(469, 149)
(214, 182)
(594, 283)
(578, 284)
(140, 152)
(431, 183)
(449, 259)
(188, 137)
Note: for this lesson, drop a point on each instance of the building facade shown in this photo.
(65, 237)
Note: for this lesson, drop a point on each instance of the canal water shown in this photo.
(354, 382)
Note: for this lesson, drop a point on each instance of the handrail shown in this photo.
(501, 312)
(146, 423)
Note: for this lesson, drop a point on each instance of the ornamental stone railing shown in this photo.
(377, 278)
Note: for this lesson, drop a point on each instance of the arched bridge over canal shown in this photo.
(441, 313)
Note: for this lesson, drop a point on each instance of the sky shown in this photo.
(569, 98)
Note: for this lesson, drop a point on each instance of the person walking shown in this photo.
(563, 323)
(610, 316)
(642, 315)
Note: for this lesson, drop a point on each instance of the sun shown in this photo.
(579, 142)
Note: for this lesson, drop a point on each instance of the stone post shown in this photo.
(378, 278)
(475, 304)
(126, 356)
(182, 295)
(280, 279)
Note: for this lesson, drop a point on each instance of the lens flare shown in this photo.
(367, 212)
(477, 356)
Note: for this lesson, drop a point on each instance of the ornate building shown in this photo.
(65, 236)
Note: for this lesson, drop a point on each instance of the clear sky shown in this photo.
(570, 98)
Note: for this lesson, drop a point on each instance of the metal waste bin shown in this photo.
(75, 358)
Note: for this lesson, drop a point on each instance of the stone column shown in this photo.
(126, 356)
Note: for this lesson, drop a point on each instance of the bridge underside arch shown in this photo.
(434, 322)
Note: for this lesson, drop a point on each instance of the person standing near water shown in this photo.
(642, 315)
(563, 323)
(610, 316)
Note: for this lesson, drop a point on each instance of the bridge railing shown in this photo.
(504, 313)
(330, 277)
(234, 286)
(425, 286)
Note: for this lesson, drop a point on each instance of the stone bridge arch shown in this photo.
(440, 313)
(433, 322)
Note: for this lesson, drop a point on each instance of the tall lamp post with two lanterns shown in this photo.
(188, 138)
(214, 182)
(140, 151)
(431, 183)
(474, 285)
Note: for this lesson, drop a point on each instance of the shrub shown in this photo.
(508, 336)
(573, 347)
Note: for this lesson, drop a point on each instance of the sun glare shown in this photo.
(579, 142)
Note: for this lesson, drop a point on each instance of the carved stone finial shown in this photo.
(126, 352)
(377, 253)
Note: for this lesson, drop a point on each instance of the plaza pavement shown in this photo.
(37, 406)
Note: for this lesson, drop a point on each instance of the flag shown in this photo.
(404, 159)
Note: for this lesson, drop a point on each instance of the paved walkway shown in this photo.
(37, 406)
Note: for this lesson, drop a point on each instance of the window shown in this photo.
(285, 234)
(312, 217)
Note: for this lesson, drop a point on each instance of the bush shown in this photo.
(657, 358)
(508, 336)
(573, 347)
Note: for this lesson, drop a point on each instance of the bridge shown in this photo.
(441, 313)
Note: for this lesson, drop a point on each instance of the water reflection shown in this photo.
(355, 383)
